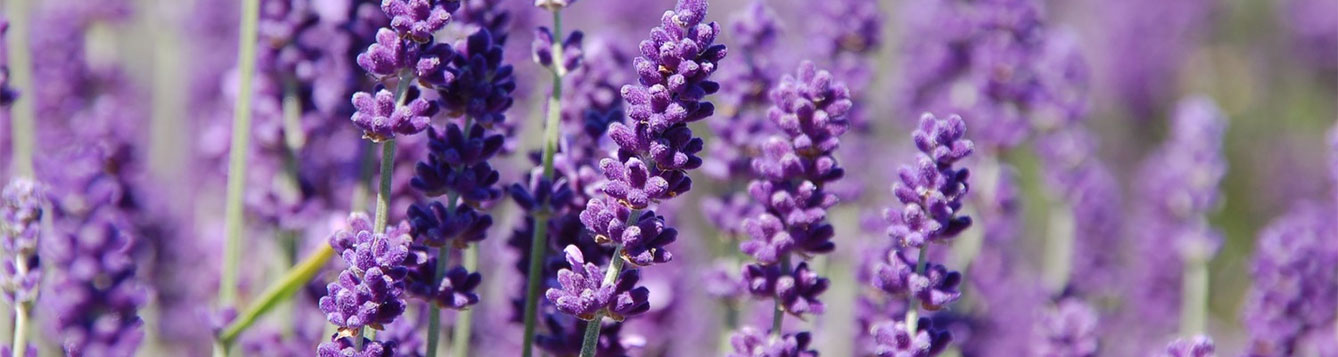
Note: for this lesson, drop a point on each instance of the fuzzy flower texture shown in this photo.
(370, 292)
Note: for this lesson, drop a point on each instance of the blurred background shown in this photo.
(155, 81)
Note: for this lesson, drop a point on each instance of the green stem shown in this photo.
(1058, 247)
(288, 284)
(24, 112)
(383, 195)
(434, 312)
(241, 135)
(20, 346)
(539, 242)
(913, 305)
(1194, 302)
(465, 318)
(778, 314)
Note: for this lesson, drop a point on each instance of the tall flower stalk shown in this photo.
(555, 59)
(241, 129)
(20, 224)
(655, 150)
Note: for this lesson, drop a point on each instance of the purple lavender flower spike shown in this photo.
(388, 55)
(435, 226)
(459, 163)
(1200, 346)
(751, 342)
(1293, 293)
(483, 82)
(21, 211)
(799, 291)
(342, 346)
(456, 291)
(381, 119)
(932, 190)
(583, 291)
(892, 339)
(1068, 329)
(632, 184)
(369, 293)
(418, 19)
(936, 288)
(542, 49)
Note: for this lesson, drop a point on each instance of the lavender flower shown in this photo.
(585, 292)
(483, 82)
(381, 118)
(931, 191)
(935, 288)
(369, 293)
(1293, 293)
(1200, 346)
(418, 19)
(542, 49)
(893, 340)
(1068, 329)
(22, 216)
(402, 51)
(751, 342)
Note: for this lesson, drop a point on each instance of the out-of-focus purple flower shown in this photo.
(1177, 189)
(1200, 346)
(752, 342)
(584, 291)
(418, 19)
(369, 293)
(1068, 329)
(381, 118)
(1314, 33)
(846, 34)
(7, 93)
(553, 5)
(1294, 292)
(1147, 45)
(21, 212)
(565, 334)
(456, 291)
(931, 191)
(893, 340)
(542, 49)
(483, 82)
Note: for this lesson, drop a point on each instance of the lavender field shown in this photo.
(741, 178)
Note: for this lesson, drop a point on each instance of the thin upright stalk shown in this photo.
(1058, 248)
(1194, 301)
(778, 314)
(913, 305)
(465, 318)
(591, 339)
(434, 312)
(539, 242)
(241, 137)
(20, 346)
(21, 67)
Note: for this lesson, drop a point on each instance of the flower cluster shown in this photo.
(7, 93)
(753, 342)
(403, 51)
(893, 340)
(1200, 346)
(1068, 329)
(21, 217)
(1293, 294)
(370, 291)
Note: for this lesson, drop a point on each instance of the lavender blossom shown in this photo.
(934, 288)
(1294, 292)
(1068, 329)
(894, 341)
(369, 293)
(931, 192)
(402, 51)
(1163, 34)
(22, 216)
(1313, 33)
(381, 118)
(583, 290)
(542, 49)
(750, 342)
(1200, 346)
(483, 82)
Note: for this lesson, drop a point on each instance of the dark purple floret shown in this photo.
(418, 19)
(1068, 329)
(751, 342)
(381, 119)
(482, 84)
(434, 225)
(798, 291)
(1293, 272)
(584, 292)
(389, 55)
(565, 335)
(342, 346)
(936, 288)
(458, 164)
(1200, 346)
(931, 191)
(369, 293)
(456, 291)
(542, 49)
(892, 339)
(810, 108)
(21, 212)
(96, 298)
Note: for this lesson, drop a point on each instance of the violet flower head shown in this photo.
(381, 119)
(931, 191)
(343, 346)
(583, 290)
(752, 342)
(458, 163)
(798, 291)
(1068, 329)
(418, 19)
(936, 288)
(892, 339)
(1294, 292)
(755, 28)
(1200, 346)
(369, 293)
(542, 49)
(7, 92)
(21, 211)
(1313, 31)
(483, 82)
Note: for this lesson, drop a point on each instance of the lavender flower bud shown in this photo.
(583, 291)
(418, 19)
(435, 226)
(931, 192)
(482, 85)
(1294, 292)
(893, 340)
(1200, 346)
(1068, 329)
(22, 219)
(342, 346)
(388, 55)
(936, 288)
(370, 291)
(751, 342)
(381, 118)
(542, 49)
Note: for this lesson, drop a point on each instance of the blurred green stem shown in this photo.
(241, 135)
(1194, 301)
(434, 312)
(21, 67)
(778, 314)
(1058, 247)
(539, 242)
(465, 318)
(287, 285)
(912, 304)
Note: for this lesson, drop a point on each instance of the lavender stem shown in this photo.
(434, 312)
(540, 239)
(465, 318)
(1194, 299)
(20, 312)
(1058, 247)
(20, 64)
(913, 304)
(241, 130)
(591, 340)
(778, 314)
